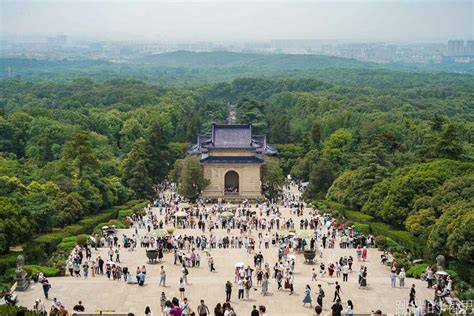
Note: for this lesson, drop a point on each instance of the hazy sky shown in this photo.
(363, 20)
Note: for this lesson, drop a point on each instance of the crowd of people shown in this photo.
(259, 227)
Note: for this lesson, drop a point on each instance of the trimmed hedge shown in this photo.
(359, 217)
(67, 246)
(400, 237)
(404, 238)
(330, 204)
(416, 270)
(38, 249)
(34, 269)
(7, 310)
(47, 271)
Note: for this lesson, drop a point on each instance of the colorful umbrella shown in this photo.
(180, 214)
(304, 234)
(160, 233)
(184, 205)
(227, 214)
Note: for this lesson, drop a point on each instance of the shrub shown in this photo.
(404, 238)
(8, 261)
(465, 270)
(348, 223)
(467, 295)
(361, 228)
(392, 245)
(380, 242)
(7, 310)
(416, 270)
(358, 217)
(69, 239)
(325, 204)
(116, 223)
(82, 239)
(138, 208)
(67, 246)
(122, 214)
(170, 230)
(47, 271)
(402, 261)
(58, 259)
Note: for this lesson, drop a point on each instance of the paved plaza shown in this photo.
(99, 293)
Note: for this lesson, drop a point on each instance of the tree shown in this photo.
(450, 143)
(250, 111)
(135, 170)
(81, 153)
(321, 177)
(272, 178)
(131, 131)
(156, 146)
(189, 175)
(337, 148)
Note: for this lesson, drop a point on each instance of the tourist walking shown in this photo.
(185, 308)
(337, 293)
(345, 272)
(46, 288)
(401, 277)
(185, 273)
(337, 308)
(429, 277)
(393, 279)
(228, 291)
(412, 296)
(321, 295)
(291, 280)
(265, 284)
(162, 276)
(241, 288)
(148, 311)
(202, 309)
(349, 309)
(211, 264)
(307, 297)
(39, 307)
(163, 301)
(182, 288)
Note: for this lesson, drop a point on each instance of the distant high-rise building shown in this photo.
(455, 47)
(470, 47)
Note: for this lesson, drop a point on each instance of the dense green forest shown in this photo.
(190, 68)
(397, 146)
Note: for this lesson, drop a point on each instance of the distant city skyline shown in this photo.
(244, 21)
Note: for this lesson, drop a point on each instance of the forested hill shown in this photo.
(188, 68)
(395, 147)
(260, 61)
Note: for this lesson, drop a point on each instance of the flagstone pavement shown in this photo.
(99, 293)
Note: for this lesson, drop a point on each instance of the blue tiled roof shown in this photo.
(232, 136)
(232, 159)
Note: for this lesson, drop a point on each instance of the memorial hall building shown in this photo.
(231, 158)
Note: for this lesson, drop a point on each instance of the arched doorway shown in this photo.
(231, 182)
